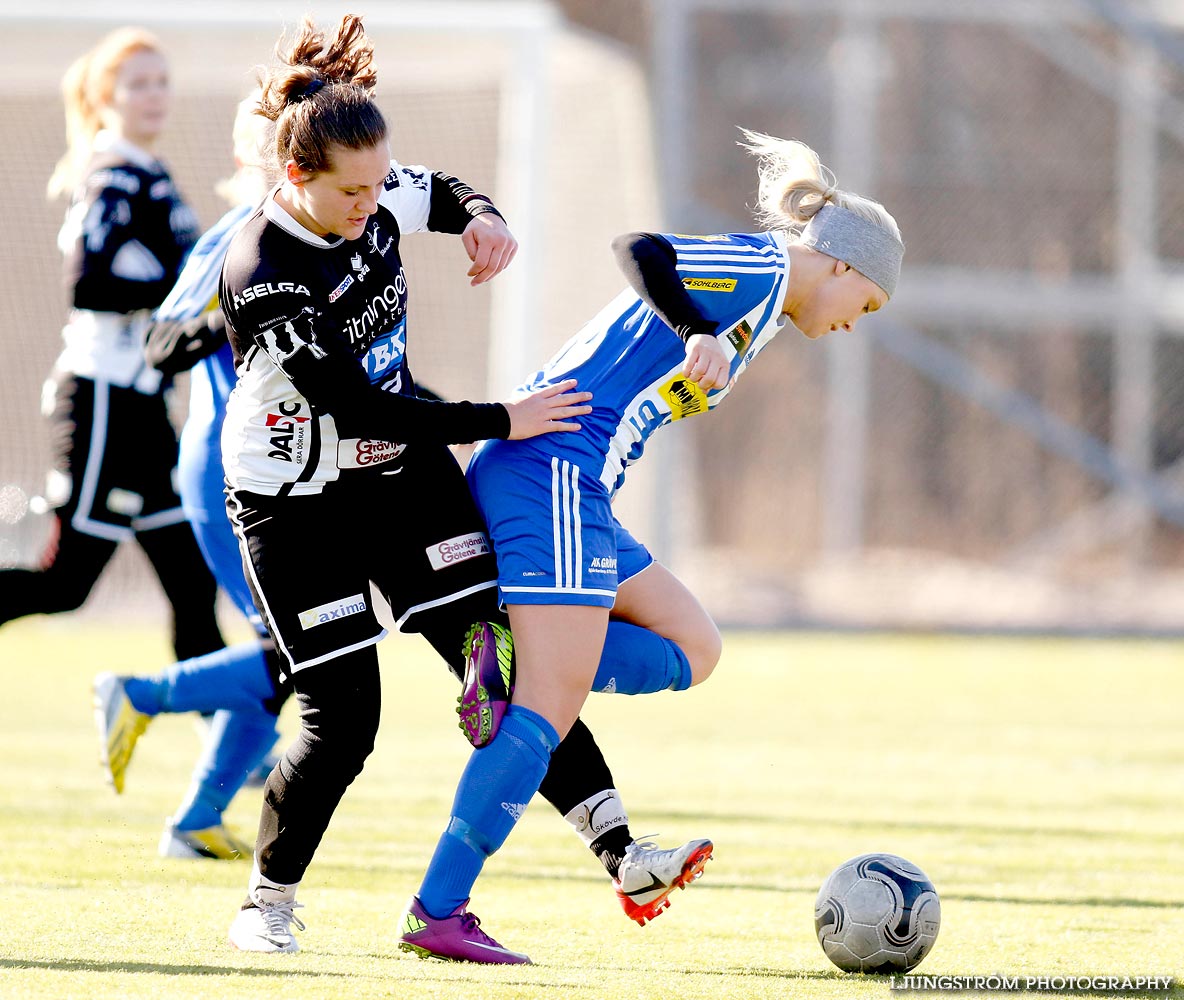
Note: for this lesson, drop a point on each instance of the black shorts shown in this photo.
(114, 458)
(415, 534)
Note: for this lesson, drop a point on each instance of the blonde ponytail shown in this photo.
(255, 171)
(794, 185)
(82, 125)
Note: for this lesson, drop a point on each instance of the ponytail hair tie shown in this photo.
(830, 192)
(310, 90)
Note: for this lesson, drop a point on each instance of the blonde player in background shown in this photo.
(125, 236)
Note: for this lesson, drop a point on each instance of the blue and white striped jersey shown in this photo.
(632, 362)
(196, 290)
(212, 378)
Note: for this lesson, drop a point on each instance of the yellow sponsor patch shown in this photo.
(684, 396)
(710, 284)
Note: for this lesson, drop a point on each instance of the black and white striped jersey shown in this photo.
(319, 331)
(126, 234)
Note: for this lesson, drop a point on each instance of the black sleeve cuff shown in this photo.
(454, 204)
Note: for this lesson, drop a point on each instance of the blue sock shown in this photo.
(236, 743)
(497, 783)
(638, 661)
(235, 677)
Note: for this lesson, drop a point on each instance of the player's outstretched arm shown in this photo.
(547, 410)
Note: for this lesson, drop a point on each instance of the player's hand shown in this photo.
(547, 410)
(490, 246)
(706, 364)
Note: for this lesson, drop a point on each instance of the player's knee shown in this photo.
(335, 758)
(704, 651)
(353, 758)
(351, 745)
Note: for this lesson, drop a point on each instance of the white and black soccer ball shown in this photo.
(877, 913)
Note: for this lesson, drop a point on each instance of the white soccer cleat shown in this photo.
(647, 876)
(266, 928)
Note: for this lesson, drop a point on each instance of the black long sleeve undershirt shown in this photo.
(649, 264)
(336, 384)
(176, 345)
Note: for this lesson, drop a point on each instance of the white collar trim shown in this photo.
(274, 212)
(107, 141)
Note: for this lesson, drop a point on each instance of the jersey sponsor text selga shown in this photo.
(268, 288)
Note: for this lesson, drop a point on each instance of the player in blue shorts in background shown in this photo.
(699, 310)
(238, 687)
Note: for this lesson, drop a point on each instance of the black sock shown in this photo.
(610, 848)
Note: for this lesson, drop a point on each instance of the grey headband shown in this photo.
(869, 248)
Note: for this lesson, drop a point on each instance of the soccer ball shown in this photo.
(877, 913)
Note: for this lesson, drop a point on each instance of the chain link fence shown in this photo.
(1000, 447)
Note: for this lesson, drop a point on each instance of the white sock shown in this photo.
(266, 892)
(597, 814)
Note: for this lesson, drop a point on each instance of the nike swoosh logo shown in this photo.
(657, 883)
(489, 947)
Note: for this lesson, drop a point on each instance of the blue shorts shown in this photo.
(552, 527)
(202, 483)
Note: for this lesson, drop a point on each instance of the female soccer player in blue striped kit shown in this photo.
(699, 310)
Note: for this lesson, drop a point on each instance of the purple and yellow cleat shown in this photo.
(455, 938)
(488, 682)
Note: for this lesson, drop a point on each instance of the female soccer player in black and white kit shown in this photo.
(125, 237)
(338, 475)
